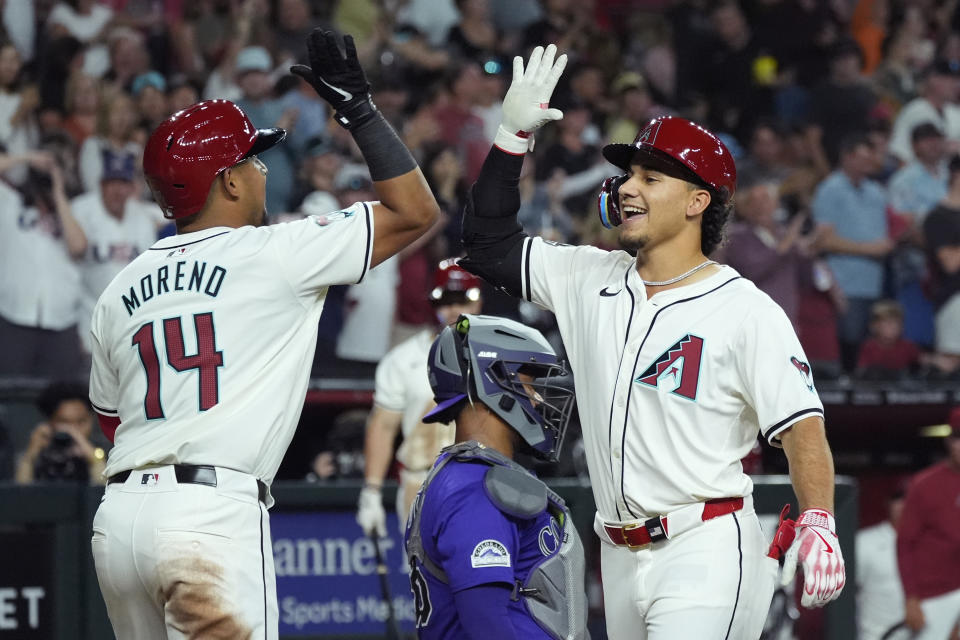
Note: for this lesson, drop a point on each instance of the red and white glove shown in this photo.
(526, 105)
(817, 550)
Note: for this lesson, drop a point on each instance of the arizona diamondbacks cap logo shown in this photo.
(677, 370)
(648, 135)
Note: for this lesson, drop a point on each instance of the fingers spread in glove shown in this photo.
(517, 70)
(546, 64)
(554, 76)
(349, 47)
(303, 71)
(332, 50)
(533, 64)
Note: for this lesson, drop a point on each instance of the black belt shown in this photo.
(193, 474)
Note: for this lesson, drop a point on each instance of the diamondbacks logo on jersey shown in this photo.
(804, 370)
(327, 218)
(489, 553)
(677, 370)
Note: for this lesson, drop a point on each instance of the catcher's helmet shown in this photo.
(481, 358)
(677, 146)
(452, 283)
(190, 148)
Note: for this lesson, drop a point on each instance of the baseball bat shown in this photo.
(393, 631)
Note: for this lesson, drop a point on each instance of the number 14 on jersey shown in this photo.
(207, 360)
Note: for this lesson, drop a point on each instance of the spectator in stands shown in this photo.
(321, 164)
(370, 306)
(88, 21)
(40, 244)
(922, 183)
(895, 77)
(118, 226)
(82, 106)
(116, 127)
(886, 354)
(928, 544)
(18, 131)
(636, 107)
(474, 37)
(150, 92)
(60, 449)
(937, 103)
(573, 155)
(768, 252)
(941, 231)
(181, 93)
(254, 66)
(841, 105)
(855, 241)
(879, 592)
(764, 162)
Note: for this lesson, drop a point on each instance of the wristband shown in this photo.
(386, 155)
(513, 143)
(353, 114)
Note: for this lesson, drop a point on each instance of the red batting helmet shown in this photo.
(679, 143)
(678, 146)
(190, 148)
(452, 283)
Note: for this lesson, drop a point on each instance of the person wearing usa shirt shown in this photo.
(118, 226)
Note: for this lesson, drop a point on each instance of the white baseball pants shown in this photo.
(186, 561)
(713, 582)
(940, 614)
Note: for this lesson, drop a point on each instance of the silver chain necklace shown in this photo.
(663, 283)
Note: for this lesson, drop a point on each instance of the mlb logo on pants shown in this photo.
(150, 479)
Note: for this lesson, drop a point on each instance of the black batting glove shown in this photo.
(337, 77)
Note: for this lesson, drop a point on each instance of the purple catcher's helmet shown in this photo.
(508, 367)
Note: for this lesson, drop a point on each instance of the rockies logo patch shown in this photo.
(677, 370)
(489, 553)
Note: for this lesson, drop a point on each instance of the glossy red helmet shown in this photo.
(190, 148)
(680, 144)
(452, 283)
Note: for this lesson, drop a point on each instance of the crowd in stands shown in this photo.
(843, 116)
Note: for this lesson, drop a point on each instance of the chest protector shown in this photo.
(553, 592)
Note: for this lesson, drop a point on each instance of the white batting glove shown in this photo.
(817, 550)
(370, 514)
(526, 105)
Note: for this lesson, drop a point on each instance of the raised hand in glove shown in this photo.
(817, 550)
(526, 105)
(370, 513)
(337, 77)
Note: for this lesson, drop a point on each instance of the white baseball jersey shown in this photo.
(111, 245)
(40, 286)
(672, 390)
(203, 344)
(403, 386)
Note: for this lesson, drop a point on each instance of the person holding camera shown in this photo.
(60, 449)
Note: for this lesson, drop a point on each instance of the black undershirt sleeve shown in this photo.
(492, 237)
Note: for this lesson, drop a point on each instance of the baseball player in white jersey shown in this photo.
(402, 396)
(679, 363)
(202, 352)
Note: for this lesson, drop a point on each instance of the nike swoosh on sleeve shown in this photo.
(346, 94)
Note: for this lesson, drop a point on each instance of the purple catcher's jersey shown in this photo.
(474, 543)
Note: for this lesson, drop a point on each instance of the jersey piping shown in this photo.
(740, 578)
(111, 413)
(772, 431)
(187, 244)
(526, 270)
(626, 339)
(366, 255)
(626, 416)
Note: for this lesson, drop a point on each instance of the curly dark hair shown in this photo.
(713, 224)
(59, 392)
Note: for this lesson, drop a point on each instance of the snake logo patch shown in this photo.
(677, 370)
(804, 370)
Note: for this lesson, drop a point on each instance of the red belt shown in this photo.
(642, 534)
